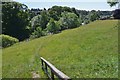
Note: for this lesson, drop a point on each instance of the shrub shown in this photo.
(7, 40)
(53, 26)
(37, 33)
(69, 20)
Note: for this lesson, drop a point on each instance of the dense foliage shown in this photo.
(22, 23)
(69, 20)
(112, 2)
(93, 15)
(53, 26)
(36, 33)
(15, 19)
(116, 14)
(7, 40)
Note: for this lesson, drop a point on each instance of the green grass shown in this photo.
(90, 51)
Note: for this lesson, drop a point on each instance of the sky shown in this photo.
(78, 4)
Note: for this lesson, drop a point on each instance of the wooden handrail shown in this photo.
(54, 70)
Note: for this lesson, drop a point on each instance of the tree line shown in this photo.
(22, 23)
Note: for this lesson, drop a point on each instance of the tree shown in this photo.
(112, 2)
(44, 19)
(37, 33)
(69, 20)
(15, 19)
(39, 21)
(66, 9)
(53, 14)
(55, 11)
(53, 26)
(116, 13)
(35, 22)
(93, 15)
(74, 10)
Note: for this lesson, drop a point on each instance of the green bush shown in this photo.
(53, 26)
(6, 40)
(37, 33)
(69, 20)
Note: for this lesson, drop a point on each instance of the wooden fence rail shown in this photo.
(53, 71)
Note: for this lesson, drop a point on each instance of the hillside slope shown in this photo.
(90, 51)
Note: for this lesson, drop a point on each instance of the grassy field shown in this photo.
(90, 51)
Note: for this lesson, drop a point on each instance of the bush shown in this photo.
(7, 40)
(69, 20)
(37, 33)
(53, 26)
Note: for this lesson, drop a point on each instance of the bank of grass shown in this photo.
(90, 51)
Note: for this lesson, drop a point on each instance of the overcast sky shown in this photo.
(78, 4)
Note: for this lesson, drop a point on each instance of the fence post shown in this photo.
(42, 63)
(46, 68)
(54, 71)
(52, 75)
